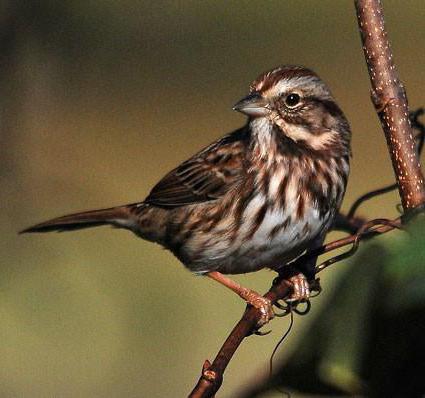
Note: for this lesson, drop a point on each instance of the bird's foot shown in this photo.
(300, 288)
(263, 304)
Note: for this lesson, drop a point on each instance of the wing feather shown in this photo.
(208, 175)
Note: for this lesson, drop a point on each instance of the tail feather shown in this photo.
(118, 216)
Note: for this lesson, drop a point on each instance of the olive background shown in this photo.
(99, 99)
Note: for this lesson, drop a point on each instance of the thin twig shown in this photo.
(369, 195)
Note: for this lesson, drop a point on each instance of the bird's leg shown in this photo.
(309, 268)
(303, 277)
(250, 296)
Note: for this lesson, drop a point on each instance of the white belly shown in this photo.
(264, 250)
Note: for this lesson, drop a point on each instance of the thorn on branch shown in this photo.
(208, 374)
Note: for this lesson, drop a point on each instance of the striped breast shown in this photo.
(276, 218)
(296, 205)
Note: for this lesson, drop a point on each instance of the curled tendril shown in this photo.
(303, 311)
(420, 138)
(368, 228)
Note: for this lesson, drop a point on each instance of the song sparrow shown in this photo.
(257, 197)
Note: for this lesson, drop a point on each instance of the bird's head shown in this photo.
(297, 103)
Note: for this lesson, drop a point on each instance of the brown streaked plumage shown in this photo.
(257, 197)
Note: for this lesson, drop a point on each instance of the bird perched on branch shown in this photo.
(256, 198)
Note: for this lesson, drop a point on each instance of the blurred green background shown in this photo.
(99, 99)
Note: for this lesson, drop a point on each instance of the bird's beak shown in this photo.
(253, 105)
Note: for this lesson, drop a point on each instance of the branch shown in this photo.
(212, 374)
(419, 139)
(389, 97)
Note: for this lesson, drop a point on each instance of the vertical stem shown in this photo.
(389, 98)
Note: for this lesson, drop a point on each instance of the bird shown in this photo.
(256, 198)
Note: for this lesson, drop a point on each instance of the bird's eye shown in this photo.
(292, 100)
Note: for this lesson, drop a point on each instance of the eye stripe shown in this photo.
(330, 106)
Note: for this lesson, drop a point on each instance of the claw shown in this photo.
(315, 287)
(282, 314)
(260, 333)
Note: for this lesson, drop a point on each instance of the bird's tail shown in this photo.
(116, 216)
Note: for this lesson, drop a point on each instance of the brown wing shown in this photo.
(206, 176)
